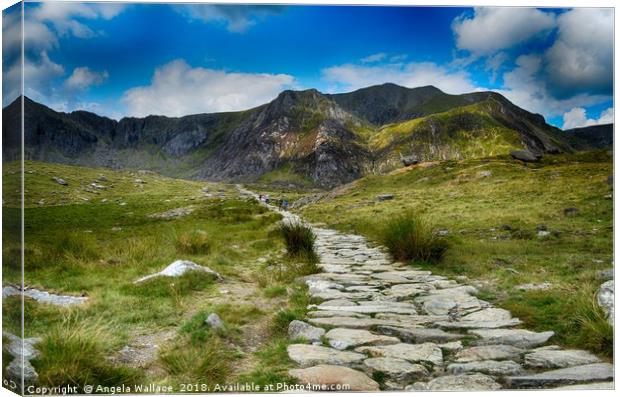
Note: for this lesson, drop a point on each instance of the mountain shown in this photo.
(593, 137)
(301, 137)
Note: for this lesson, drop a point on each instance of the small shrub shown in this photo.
(299, 240)
(193, 243)
(410, 237)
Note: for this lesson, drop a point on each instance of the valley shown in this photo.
(510, 231)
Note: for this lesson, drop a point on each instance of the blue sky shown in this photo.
(120, 59)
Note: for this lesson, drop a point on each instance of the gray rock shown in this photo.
(214, 321)
(310, 355)
(409, 160)
(535, 287)
(588, 386)
(489, 352)
(44, 296)
(559, 358)
(179, 268)
(348, 322)
(324, 377)
(485, 318)
(385, 197)
(330, 313)
(484, 174)
(606, 274)
(397, 370)
(405, 290)
(465, 382)
(368, 307)
(516, 337)
(18, 366)
(424, 352)
(490, 367)
(605, 299)
(22, 348)
(299, 329)
(571, 211)
(419, 335)
(343, 338)
(59, 181)
(525, 156)
(564, 376)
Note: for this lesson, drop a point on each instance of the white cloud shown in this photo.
(178, 90)
(525, 87)
(494, 63)
(63, 16)
(582, 56)
(492, 29)
(374, 58)
(83, 78)
(414, 74)
(236, 18)
(576, 117)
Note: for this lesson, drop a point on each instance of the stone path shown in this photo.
(384, 325)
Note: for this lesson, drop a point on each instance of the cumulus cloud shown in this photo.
(83, 78)
(525, 87)
(177, 89)
(576, 117)
(236, 18)
(64, 16)
(43, 25)
(374, 58)
(349, 77)
(492, 29)
(581, 59)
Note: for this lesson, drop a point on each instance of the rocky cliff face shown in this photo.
(325, 139)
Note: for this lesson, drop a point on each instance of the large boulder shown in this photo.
(179, 268)
(525, 156)
(409, 160)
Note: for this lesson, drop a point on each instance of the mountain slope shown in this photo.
(592, 137)
(326, 140)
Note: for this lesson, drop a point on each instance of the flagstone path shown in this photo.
(388, 326)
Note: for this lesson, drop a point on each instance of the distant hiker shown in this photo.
(267, 199)
(285, 203)
(260, 197)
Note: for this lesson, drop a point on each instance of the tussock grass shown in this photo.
(193, 243)
(299, 240)
(75, 351)
(410, 237)
(201, 361)
(593, 332)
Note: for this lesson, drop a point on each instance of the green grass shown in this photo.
(409, 237)
(493, 226)
(74, 352)
(299, 241)
(98, 247)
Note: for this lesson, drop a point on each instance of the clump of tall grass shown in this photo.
(299, 240)
(75, 352)
(193, 243)
(206, 362)
(410, 237)
(593, 332)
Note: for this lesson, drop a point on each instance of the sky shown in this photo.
(123, 59)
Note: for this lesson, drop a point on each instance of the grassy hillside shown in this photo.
(94, 242)
(493, 210)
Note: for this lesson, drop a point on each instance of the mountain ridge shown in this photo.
(325, 139)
